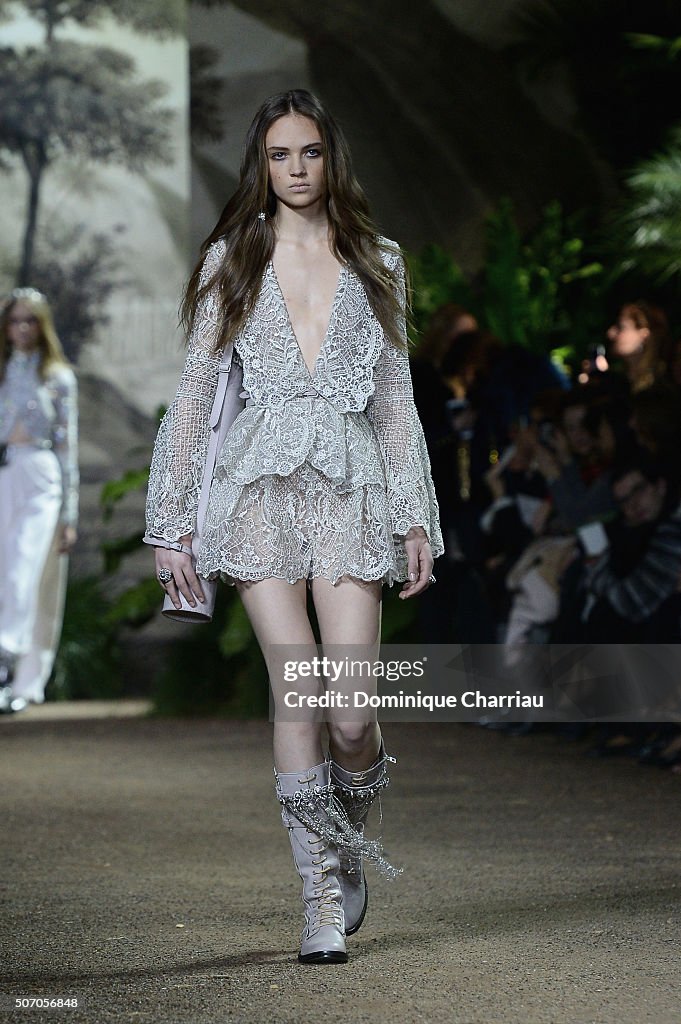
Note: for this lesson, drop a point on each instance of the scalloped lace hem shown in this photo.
(228, 576)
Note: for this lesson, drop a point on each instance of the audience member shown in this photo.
(640, 338)
(632, 590)
(561, 508)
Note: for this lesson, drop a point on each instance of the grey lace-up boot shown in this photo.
(307, 794)
(356, 792)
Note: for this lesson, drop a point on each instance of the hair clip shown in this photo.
(261, 215)
(31, 294)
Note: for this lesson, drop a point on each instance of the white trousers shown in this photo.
(32, 573)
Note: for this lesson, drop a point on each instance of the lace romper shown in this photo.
(322, 473)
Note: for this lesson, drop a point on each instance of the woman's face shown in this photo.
(578, 437)
(23, 328)
(462, 324)
(627, 339)
(296, 162)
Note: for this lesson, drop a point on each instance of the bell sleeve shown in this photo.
(65, 442)
(181, 445)
(392, 413)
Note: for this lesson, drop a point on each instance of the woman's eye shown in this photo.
(278, 156)
(314, 152)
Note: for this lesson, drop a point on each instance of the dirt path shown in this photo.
(145, 873)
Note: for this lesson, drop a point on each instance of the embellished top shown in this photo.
(352, 418)
(46, 412)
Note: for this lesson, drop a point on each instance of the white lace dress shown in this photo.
(322, 473)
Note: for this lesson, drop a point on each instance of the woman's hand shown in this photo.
(67, 538)
(419, 563)
(184, 581)
(547, 464)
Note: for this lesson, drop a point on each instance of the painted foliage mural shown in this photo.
(93, 150)
(94, 171)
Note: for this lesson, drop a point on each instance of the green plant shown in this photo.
(88, 662)
(542, 291)
(649, 225)
(216, 668)
(435, 280)
(650, 221)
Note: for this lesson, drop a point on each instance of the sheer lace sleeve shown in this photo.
(393, 415)
(182, 441)
(65, 442)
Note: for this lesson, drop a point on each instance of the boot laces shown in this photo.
(326, 907)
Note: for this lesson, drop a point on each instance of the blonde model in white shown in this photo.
(38, 494)
(323, 482)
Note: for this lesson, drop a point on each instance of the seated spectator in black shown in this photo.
(633, 588)
(656, 422)
(507, 382)
(464, 492)
(521, 501)
(500, 385)
(431, 396)
(455, 609)
(446, 324)
(514, 519)
(575, 459)
(461, 496)
(430, 391)
(580, 442)
(492, 390)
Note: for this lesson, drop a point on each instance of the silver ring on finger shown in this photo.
(431, 579)
(164, 576)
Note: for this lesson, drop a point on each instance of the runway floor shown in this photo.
(145, 874)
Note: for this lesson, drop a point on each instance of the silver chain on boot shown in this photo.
(356, 792)
(320, 810)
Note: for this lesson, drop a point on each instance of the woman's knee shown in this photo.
(351, 738)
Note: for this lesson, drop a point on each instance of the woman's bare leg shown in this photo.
(278, 614)
(349, 616)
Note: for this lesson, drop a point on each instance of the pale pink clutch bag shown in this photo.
(228, 403)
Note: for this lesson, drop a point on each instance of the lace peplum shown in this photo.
(264, 441)
(323, 472)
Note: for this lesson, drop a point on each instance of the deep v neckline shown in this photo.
(332, 313)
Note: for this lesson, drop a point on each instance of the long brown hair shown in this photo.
(653, 363)
(250, 239)
(49, 346)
